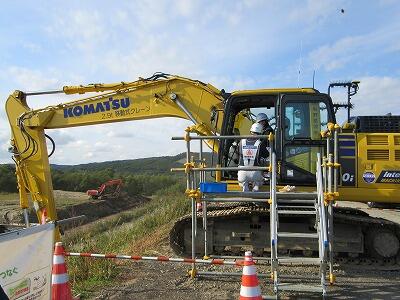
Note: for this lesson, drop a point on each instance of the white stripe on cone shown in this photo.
(249, 270)
(58, 259)
(250, 291)
(59, 278)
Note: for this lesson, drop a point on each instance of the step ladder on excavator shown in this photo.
(323, 234)
(316, 208)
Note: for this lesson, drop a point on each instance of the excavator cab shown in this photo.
(297, 118)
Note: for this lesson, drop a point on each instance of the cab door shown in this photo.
(302, 118)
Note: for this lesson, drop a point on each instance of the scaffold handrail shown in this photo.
(220, 137)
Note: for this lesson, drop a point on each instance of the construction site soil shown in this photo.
(167, 280)
(72, 204)
(164, 280)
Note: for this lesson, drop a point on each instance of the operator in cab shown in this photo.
(263, 120)
(254, 152)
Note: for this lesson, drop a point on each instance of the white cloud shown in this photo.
(85, 29)
(377, 96)
(33, 47)
(5, 156)
(61, 136)
(116, 141)
(32, 80)
(352, 49)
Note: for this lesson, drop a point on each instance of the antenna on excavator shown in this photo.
(352, 89)
(313, 79)
(300, 64)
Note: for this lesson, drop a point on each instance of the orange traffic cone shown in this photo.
(61, 290)
(249, 290)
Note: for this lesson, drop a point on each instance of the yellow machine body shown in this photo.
(175, 96)
(370, 167)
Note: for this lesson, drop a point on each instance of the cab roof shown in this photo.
(274, 91)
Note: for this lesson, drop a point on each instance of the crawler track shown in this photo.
(359, 240)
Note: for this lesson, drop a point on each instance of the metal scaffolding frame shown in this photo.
(327, 181)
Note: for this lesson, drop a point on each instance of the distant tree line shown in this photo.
(83, 180)
(8, 180)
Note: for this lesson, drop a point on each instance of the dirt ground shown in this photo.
(70, 204)
(156, 280)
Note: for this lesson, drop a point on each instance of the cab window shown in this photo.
(305, 120)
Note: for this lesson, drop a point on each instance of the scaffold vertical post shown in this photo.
(203, 203)
(189, 186)
(330, 208)
(273, 216)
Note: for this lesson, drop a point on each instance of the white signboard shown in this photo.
(26, 262)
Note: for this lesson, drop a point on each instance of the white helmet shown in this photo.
(261, 117)
(257, 128)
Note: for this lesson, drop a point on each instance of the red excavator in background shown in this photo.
(110, 189)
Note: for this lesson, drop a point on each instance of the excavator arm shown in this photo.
(159, 96)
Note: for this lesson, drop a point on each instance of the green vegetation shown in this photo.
(9, 196)
(139, 175)
(132, 232)
(8, 181)
(138, 231)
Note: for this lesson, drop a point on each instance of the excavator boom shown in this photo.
(161, 95)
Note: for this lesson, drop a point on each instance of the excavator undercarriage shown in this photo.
(232, 227)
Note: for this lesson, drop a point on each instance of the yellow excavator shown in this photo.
(369, 153)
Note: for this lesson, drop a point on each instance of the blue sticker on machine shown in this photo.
(369, 177)
(387, 176)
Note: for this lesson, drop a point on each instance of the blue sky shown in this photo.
(231, 44)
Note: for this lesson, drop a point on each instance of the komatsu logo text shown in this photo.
(93, 108)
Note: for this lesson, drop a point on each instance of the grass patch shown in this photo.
(9, 196)
(138, 231)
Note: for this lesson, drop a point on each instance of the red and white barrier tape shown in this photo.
(159, 258)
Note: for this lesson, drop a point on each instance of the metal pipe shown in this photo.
(44, 92)
(221, 137)
(273, 220)
(330, 236)
(237, 200)
(178, 102)
(205, 227)
(256, 259)
(204, 203)
(194, 187)
(188, 187)
(335, 160)
(300, 197)
(324, 175)
(321, 202)
(64, 222)
(26, 217)
(156, 258)
(222, 169)
(207, 273)
(320, 208)
(330, 162)
(330, 209)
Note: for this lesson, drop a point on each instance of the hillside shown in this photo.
(153, 165)
(139, 175)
